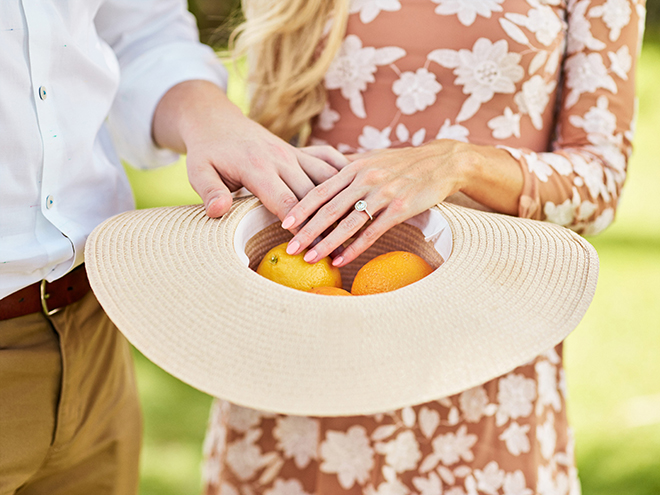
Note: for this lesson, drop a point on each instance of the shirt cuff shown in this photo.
(144, 82)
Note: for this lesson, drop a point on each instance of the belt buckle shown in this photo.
(44, 304)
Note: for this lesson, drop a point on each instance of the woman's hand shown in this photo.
(226, 151)
(395, 183)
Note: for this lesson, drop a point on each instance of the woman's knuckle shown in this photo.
(389, 191)
(305, 236)
(322, 191)
(370, 233)
(350, 223)
(374, 176)
(398, 205)
(331, 209)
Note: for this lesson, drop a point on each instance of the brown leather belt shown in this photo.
(46, 297)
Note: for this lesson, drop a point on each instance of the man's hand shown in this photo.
(226, 150)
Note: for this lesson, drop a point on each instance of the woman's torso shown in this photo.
(483, 71)
(494, 82)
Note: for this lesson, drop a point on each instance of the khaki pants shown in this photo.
(69, 414)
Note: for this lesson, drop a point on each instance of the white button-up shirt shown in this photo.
(79, 83)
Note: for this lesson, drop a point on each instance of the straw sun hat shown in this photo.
(181, 287)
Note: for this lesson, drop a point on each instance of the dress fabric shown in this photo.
(550, 81)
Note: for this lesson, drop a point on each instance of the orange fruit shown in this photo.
(293, 271)
(330, 291)
(388, 272)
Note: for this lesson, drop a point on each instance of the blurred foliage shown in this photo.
(653, 16)
(216, 19)
(612, 365)
(174, 423)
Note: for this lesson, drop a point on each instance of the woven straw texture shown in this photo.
(171, 281)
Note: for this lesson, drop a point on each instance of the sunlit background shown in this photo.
(612, 358)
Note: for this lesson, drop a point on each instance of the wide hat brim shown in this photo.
(172, 281)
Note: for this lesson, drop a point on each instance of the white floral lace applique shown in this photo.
(585, 74)
(297, 437)
(534, 98)
(474, 404)
(546, 435)
(402, 453)
(601, 222)
(621, 62)
(579, 29)
(490, 479)
(515, 395)
(416, 91)
(431, 485)
(288, 487)
(516, 438)
(450, 448)
(403, 135)
(506, 125)
(354, 67)
(456, 132)
(487, 69)
(244, 457)
(515, 484)
(328, 118)
(373, 139)
(349, 455)
(467, 10)
(615, 15)
(369, 9)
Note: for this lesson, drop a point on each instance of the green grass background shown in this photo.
(612, 358)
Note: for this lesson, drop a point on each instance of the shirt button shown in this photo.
(49, 201)
(42, 92)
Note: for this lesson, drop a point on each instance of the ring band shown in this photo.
(362, 206)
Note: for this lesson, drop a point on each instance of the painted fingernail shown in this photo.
(288, 222)
(292, 247)
(310, 256)
(337, 261)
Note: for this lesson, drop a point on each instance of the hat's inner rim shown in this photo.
(431, 223)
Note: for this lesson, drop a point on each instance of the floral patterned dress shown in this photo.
(550, 81)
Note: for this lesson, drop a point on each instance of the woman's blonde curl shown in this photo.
(290, 46)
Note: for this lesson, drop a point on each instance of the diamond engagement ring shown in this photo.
(362, 206)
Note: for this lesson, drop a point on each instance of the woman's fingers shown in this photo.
(321, 195)
(370, 234)
(346, 228)
(327, 154)
(321, 223)
(394, 184)
(369, 231)
(341, 207)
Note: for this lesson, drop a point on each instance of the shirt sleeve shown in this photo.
(157, 46)
(578, 184)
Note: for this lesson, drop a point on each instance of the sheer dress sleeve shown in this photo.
(578, 184)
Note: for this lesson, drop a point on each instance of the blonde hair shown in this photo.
(289, 44)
